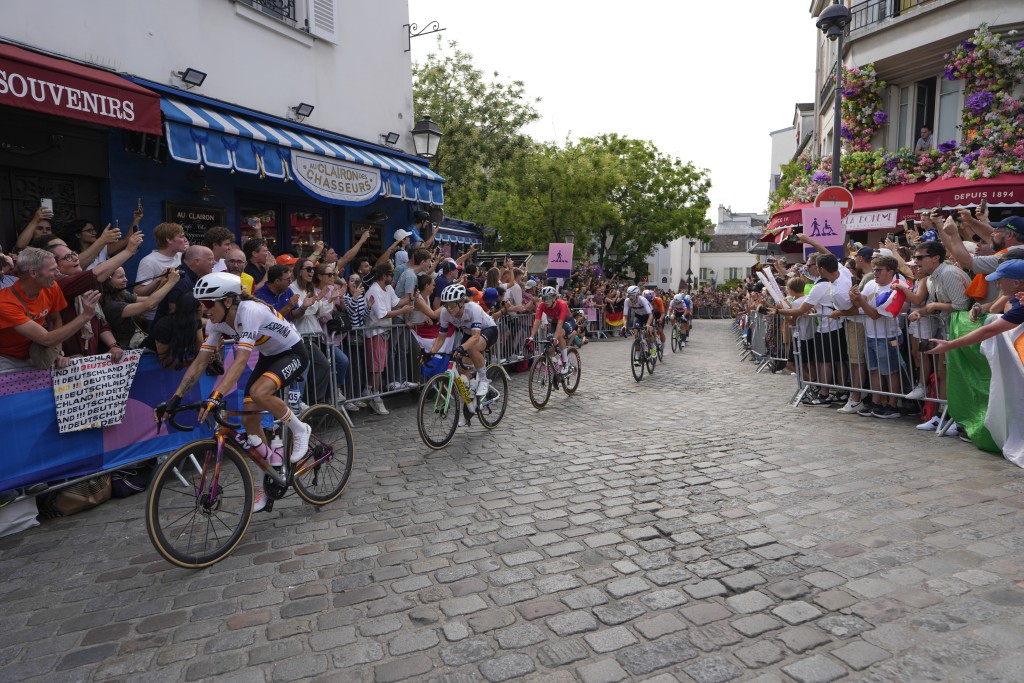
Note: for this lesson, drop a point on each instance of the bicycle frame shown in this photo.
(443, 399)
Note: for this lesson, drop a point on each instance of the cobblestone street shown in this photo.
(690, 527)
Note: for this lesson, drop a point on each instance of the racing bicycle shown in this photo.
(200, 499)
(445, 394)
(641, 354)
(545, 375)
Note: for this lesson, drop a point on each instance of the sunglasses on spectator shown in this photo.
(917, 256)
(308, 269)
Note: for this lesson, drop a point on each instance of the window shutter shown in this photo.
(322, 19)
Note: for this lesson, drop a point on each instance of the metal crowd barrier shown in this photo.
(713, 312)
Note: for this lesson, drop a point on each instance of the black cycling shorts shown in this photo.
(283, 367)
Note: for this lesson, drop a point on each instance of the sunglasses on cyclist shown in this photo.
(208, 304)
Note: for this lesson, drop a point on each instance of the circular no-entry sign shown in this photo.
(836, 195)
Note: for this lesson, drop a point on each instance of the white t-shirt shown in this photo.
(473, 318)
(153, 265)
(514, 295)
(103, 256)
(309, 322)
(827, 297)
(885, 327)
(257, 326)
(379, 302)
(803, 327)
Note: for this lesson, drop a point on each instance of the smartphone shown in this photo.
(252, 222)
(983, 206)
(138, 205)
(911, 224)
(46, 203)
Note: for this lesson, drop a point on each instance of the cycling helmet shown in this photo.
(453, 294)
(633, 291)
(217, 286)
(548, 292)
(649, 295)
(679, 298)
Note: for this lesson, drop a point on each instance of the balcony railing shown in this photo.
(871, 12)
(284, 10)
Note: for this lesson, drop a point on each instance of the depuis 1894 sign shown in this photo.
(335, 181)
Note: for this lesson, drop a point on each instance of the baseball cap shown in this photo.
(1014, 223)
(286, 260)
(490, 295)
(885, 252)
(530, 284)
(448, 266)
(866, 253)
(1011, 270)
(401, 234)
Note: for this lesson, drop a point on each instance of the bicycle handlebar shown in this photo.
(163, 414)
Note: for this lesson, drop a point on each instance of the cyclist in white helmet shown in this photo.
(560, 323)
(282, 357)
(642, 313)
(680, 310)
(479, 332)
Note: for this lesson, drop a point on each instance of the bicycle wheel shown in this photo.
(677, 337)
(637, 360)
(660, 345)
(540, 381)
(571, 381)
(438, 413)
(325, 472)
(493, 405)
(651, 358)
(195, 527)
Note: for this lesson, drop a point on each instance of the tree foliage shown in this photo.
(620, 198)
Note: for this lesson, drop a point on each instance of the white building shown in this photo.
(235, 146)
(723, 256)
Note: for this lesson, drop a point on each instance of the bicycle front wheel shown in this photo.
(676, 338)
(540, 381)
(191, 522)
(651, 358)
(637, 359)
(661, 349)
(492, 407)
(571, 380)
(325, 472)
(438, 413)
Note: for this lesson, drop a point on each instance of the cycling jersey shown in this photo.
(659, 307)
(559, 311)
(473, 318)
(256, 326)
(641, 308)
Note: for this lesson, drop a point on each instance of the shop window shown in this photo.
(950, 108)
(268, 223)
(924, 106)
(306, 228)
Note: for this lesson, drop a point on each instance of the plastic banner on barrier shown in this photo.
(42, 454)
(92, 390)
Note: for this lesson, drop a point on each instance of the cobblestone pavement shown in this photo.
(603, 539)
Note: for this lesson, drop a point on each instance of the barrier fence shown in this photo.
(881, 361)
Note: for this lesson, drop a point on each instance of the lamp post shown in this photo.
(833, 22)
(689, 264)
(425, 137)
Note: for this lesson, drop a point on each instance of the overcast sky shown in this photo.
(705, 81)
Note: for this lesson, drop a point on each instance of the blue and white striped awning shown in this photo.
(457, 236)
(219, 139)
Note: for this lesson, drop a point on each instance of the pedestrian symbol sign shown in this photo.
(560, 259)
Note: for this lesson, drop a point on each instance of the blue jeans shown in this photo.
(340, 365)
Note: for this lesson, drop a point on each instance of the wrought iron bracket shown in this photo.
(414, 31)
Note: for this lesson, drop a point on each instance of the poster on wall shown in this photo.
(195, 218)
(92, 391)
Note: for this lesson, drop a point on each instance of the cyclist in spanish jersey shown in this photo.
(638, 311)
(479, 332)
(680, 309)
(659, 313)
(560, 323)
(282, 356)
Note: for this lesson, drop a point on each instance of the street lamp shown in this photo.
(833, 22)
(689, 263)
(425, 136)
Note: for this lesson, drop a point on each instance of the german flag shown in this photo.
(613, 319)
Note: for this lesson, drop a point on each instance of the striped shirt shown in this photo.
(356, 307)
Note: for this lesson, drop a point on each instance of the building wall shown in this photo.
(361, 85)
(783, 147)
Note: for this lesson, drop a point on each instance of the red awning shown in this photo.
(29, 80)
(881, 210)
(787, 217)
(1005, 190)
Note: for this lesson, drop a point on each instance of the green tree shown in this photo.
(482, 122)
(654, 199)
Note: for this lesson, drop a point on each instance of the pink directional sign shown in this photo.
(824, 225)
(559, 259)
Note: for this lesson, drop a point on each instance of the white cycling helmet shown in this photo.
(680, 298)
(453, 294)
(649, 294)
(548, 292)
(217, 286)
(633, 291)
